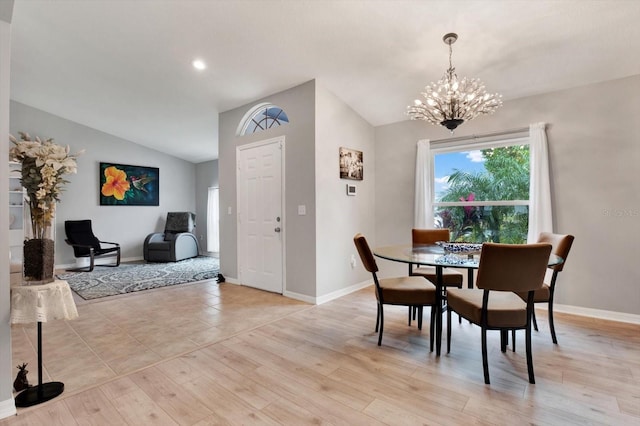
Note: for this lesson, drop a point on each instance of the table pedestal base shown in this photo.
(39, 394)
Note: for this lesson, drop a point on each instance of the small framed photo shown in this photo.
(351, 164)
(351, 189)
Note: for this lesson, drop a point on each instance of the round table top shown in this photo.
(42, 303)
(435, 255)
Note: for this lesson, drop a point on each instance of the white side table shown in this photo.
(41, 303)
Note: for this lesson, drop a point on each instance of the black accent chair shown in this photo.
(177, 242)
(85, 244)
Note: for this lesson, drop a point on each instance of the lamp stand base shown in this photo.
(39, 394)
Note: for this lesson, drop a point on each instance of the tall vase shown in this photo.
(39, 242)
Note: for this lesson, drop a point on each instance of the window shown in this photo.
(263, 117)
(481, 190)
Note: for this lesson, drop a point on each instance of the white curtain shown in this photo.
(213, 221)
(423, 214)
(540, 219)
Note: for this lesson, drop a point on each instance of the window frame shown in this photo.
(461, 146)
(249, 118)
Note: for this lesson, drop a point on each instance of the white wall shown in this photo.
(127, 225)
(299, 104)
(339, 216)
(7, 405)
(594, 148)
(206, 177)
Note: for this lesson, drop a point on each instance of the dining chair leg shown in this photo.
(551, 325)
(448, 330)
(513, 340)
(419, 309)
(432, 328)
(381, 324)
(409, 321)
(532, 379)
(503, 340)
(535, 323)
(485, 361)
(378, 318)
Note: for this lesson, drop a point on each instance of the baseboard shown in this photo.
(327, 297)
(100, 261)
(232, 280)
(342, 292)
(300, 297)
(593, 313)
(7, 408)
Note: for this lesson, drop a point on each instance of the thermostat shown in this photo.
(351, 189)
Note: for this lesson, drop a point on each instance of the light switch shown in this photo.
(302, 210)
(229, 210)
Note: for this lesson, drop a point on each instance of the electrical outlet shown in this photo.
(353, 261)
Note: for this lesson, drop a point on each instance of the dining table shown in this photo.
(441, 255)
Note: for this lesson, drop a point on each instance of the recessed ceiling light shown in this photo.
(199, 64)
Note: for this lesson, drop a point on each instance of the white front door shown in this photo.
(260, 219)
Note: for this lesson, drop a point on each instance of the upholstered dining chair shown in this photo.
(85, 244)
(450, 277)
(404, 291)
(561, 244)
(504, 270)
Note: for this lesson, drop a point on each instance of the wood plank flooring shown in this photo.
(205, 354)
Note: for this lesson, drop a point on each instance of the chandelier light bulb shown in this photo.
(450, 102)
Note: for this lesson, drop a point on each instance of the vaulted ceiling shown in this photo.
(124, 67)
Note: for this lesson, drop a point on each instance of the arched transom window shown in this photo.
(263, 117)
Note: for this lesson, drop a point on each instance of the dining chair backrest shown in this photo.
(513, 267)
(366, 256)
(561, 245)
(429, 236)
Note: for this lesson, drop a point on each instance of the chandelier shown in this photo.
(450, 102)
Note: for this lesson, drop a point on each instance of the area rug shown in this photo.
(107, 281)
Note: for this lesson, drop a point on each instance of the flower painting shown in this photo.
(125, 185)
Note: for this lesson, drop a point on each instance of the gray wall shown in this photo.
(319, 242)
(299, 104)
(594, 148)
(206, 177)
(339, 216)
(127, 225)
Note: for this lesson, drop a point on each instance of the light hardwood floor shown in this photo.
(205, 353)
